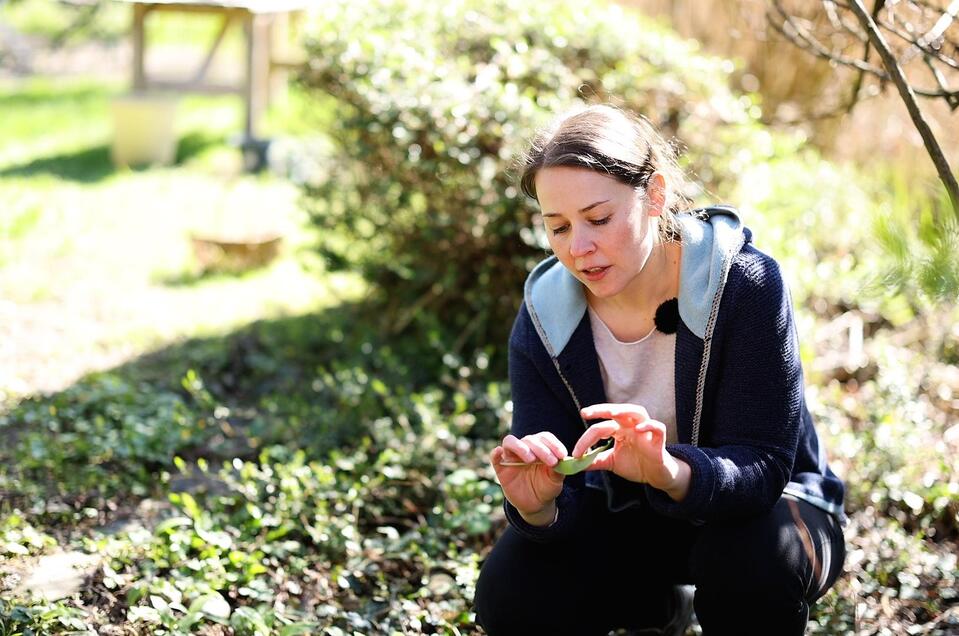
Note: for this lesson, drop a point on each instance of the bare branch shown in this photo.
(804, 39)
(832, 14)
(840, 23)
(927, 49)
(857, 86)
(909, 98)
(942, 24)
(952, 100)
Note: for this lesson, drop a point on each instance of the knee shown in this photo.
(500, 602)
(758, 558)
(522, 590)
(491, 602)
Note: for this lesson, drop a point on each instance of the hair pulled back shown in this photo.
(614, 142)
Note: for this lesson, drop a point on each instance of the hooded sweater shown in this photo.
(741, 417)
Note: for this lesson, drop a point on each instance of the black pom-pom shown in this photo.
(667, 316)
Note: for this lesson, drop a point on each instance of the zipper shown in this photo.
(553, 356)
(708, 340)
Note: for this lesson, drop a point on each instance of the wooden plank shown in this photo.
(194, 87)
(139, 43)
(205, 66)
(256, 28)
(253, 6)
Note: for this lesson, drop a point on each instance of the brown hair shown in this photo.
(615, 142)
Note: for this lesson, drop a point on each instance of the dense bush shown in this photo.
(433, 106)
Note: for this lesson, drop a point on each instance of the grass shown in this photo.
(111, 246)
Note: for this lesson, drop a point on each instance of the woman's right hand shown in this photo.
(532, 486)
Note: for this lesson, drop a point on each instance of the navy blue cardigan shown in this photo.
(742, 423)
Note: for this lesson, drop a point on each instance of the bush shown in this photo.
(433, 105)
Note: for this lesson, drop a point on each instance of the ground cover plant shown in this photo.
(265, 453)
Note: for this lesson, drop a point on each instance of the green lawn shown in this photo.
(110, 248)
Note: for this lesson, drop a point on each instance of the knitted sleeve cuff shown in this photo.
(561, 526)
(695, 505)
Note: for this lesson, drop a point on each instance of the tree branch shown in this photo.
(917, 47)
(952, 100)
(803, 39)
(909, 98)
(857, 86)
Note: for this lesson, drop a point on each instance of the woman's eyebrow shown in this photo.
(582, 210)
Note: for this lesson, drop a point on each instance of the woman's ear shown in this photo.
(656, 194)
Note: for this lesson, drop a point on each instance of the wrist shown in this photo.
(681, 475)
(545, 517)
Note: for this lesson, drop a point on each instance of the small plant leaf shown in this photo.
(573, 465)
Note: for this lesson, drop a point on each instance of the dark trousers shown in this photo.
(757, 575)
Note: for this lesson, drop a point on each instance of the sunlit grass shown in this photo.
(110, 247)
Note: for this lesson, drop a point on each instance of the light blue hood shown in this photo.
(711, 238)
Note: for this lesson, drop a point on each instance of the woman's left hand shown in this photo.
(639, 453)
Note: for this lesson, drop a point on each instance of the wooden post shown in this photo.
(139, 42)
(254, 80)
(260, 69)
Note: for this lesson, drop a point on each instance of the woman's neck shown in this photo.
(629, 314)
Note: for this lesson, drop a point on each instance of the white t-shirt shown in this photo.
(640, 372)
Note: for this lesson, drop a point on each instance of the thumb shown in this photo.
(553, 476)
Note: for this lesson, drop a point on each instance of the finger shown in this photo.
(543, 452)
(499, 455)
(603, 461)
(623, 413)
(558, 448)
(518, 448)
(651, 431)
(593, 434)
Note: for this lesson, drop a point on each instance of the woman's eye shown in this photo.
(602, 221)
(560, 229)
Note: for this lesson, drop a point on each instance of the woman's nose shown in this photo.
(581, 244)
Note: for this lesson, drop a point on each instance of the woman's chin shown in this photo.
(601, 289)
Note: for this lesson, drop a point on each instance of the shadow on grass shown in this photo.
(189, 278)
(91, 165)
(302, 381)
(48, 93)
(198, 276)
(85, 166)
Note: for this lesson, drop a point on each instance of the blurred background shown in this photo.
(259, 261)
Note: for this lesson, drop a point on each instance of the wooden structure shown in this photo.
(258, 19)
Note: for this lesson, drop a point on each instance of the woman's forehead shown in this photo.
(564, 189)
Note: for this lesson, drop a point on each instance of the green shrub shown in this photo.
(432, 105)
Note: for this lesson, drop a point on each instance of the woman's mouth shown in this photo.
(595, 273)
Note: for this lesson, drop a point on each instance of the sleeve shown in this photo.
(538, 407)
(753, 429)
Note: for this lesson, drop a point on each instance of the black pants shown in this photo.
(752, 576)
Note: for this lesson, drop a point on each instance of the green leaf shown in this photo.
(171, 523)
(246, 620)
(295, 629)
(573, 465)
(212, 606)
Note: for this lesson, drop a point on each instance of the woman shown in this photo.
(671, 335)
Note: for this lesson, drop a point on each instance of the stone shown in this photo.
(60, 575)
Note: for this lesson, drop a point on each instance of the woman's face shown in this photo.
(599, 228)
